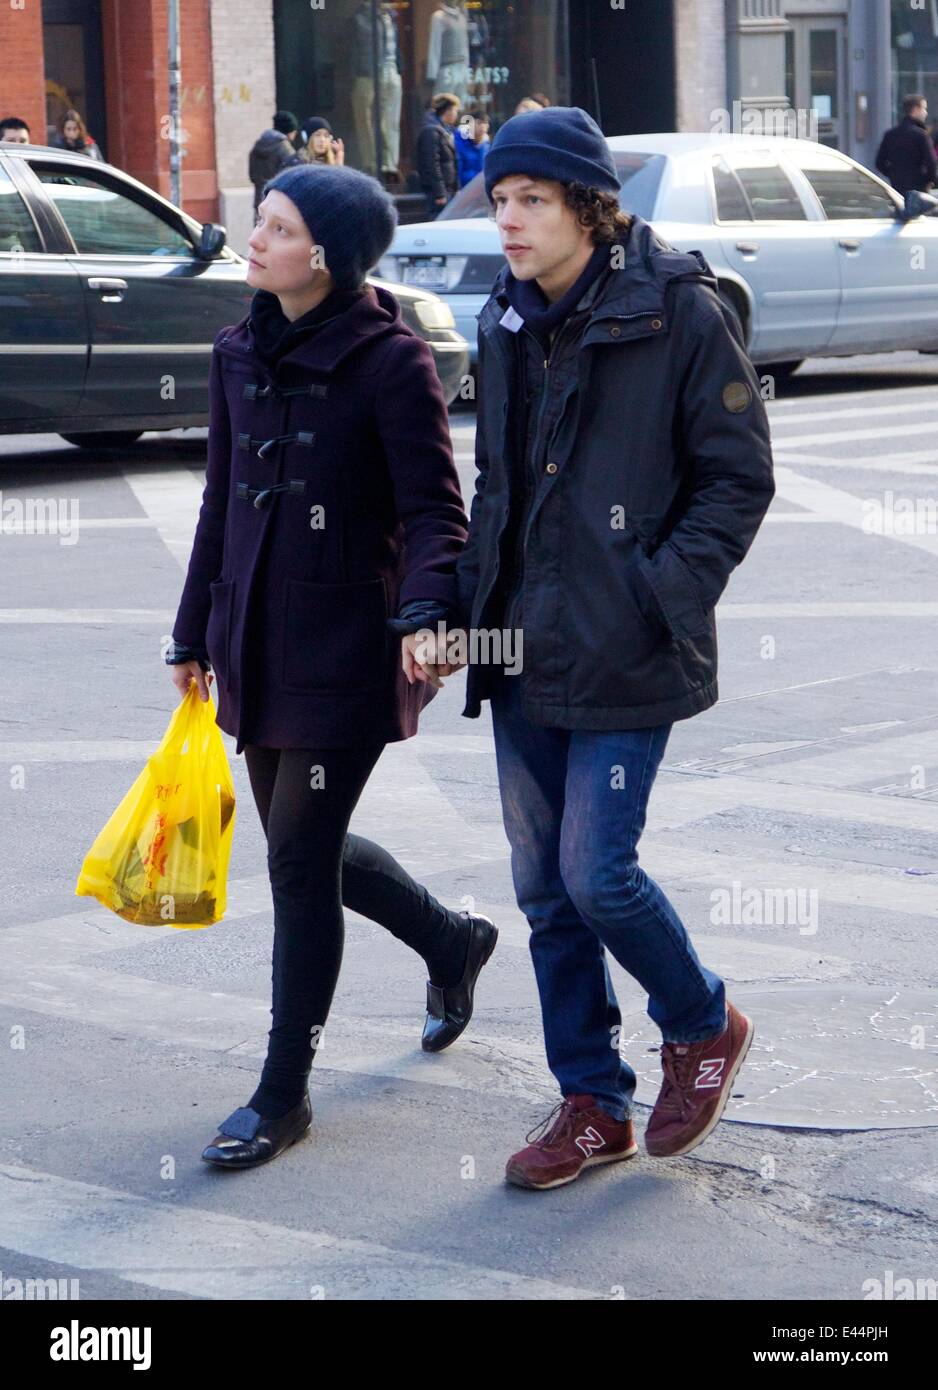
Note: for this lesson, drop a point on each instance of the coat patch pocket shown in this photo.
(218, 628)
(335, 639)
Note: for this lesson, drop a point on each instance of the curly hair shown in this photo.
(597, 210)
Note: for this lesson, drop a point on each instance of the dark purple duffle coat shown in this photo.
(290, 600)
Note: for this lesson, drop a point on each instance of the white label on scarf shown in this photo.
(511, 320)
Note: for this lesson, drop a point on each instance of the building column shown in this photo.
(135, 38)
(245, 93)
(755, 48)
(23, 68)
(699, 62)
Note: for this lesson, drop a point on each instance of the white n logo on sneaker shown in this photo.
(589, 1141)
(710, 1073)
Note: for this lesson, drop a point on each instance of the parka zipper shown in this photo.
(644, 313)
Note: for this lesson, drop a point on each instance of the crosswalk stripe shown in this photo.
(171, 501)
(215, 1255)
(843, 507)
(863, 400)
(850, 436)
(864, 608)
(916, 465)
(811, 417)
(85, 615)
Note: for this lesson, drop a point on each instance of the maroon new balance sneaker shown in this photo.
(582, 1135)
(698, 1079)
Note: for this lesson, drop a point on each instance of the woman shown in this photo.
(331, 502)
(320, 143)
(72, 134)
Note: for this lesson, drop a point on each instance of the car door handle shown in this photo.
(748, 248)
(111, 291)
(849, 245)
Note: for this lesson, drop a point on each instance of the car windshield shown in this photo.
(639, 176)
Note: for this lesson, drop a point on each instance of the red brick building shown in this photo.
(108, 59)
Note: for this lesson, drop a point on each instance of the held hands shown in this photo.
(419, 657)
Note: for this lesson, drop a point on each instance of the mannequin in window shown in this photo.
(448, 51)
(389, 87)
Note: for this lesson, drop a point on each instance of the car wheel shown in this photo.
(103, 439)
(780, 370)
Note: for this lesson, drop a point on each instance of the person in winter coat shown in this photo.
(624, 469)
(273, 150)
(906, 155)
(72, 134)
(436, 153)
(472, 145)
(320, 143)
(329, 530)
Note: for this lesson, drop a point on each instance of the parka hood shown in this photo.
(320, 345)
(649, 264)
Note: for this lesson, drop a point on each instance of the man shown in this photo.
(906, 155)
(14, 130)
(436, 153)
(273, 150)
(624, 469)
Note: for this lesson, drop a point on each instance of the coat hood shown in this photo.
(374, 314)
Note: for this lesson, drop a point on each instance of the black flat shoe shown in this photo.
(449, 1009)
(245, 1139)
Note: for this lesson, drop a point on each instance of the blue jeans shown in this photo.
(574, 806)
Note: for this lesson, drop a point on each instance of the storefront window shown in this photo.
(371, 68)
(915, 53)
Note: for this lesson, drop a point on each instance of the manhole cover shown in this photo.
(822, 1058)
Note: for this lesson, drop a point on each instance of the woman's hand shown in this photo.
(185, 673)
(418, 653)
(339, 149)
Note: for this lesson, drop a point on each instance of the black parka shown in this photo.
(654, 483)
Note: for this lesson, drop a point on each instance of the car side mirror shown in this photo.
(918, 205)
(211, 241)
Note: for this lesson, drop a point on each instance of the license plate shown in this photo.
(425, 274)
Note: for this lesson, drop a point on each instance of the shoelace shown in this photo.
(677, 1068)
(566, 1112)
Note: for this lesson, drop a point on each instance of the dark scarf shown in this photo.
(275, 335)
(529, 300)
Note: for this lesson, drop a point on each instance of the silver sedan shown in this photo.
(818, 255)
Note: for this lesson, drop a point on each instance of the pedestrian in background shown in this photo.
(273, 150)
(72, 134)
(436, 153)
(319, 142)
(298, 594)
(537, 102)
(472, 144)
(906, 155)
(15, 131)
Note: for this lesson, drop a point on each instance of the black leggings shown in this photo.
(305, 798)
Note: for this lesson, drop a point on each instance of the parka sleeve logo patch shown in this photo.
(737, 397)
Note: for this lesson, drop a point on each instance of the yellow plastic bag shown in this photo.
(162, 858)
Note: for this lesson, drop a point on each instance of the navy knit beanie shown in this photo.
(348, 214)
(560, 142)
